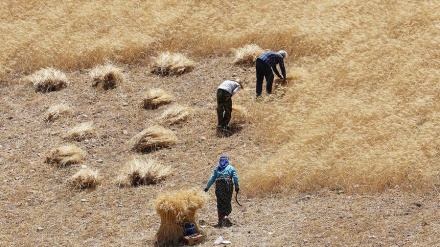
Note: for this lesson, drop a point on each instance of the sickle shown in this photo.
(236, 199)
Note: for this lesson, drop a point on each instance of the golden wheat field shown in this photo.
(346, 154)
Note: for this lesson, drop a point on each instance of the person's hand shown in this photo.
(206, 189)
(237, 189)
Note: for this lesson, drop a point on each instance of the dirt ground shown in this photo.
(39, 209)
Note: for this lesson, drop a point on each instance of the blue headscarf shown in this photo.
(223, 162)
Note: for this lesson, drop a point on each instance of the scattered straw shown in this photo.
(65, 155)
(139, 171)
(85, 178)
(106, 76)
(80, 132)
(156, 97)
(47, 80)
(239, 114)
(247, 54)
(152, 138)
(175, 114)
(56, 111)
(171, 64)
(175, 209)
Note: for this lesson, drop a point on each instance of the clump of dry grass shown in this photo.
(176, 114)
(80, 132)
(171, 64)
(57, 111)
(156, 97)
(247, 54)
(239, 114)
(65, 155)
(47, 80)
(175, 209)
(139, 171)
(106, 76)
(85, 178)
(152, 138)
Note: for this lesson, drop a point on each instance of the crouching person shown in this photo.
(224, 177)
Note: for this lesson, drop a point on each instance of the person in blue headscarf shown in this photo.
(224, 177)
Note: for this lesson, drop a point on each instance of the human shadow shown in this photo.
(229, 131)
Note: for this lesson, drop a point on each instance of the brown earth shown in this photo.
(39, 209)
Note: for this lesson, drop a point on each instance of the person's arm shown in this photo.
(283, 69)
(234, 176)
(275, 70)
(211, 180)
(236, 89)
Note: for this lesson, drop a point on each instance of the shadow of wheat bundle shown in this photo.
(175, 209)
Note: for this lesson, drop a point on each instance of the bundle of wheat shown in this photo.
(239, 114)
(106, 76)
(56, 111)
(152, 138)
(175, 209)
(156, 97)
(175, 114)
(65, 155)
(80, 132)
(47, 80)
(171, 64)
(247, 54)
(85, 178)
(139, 171)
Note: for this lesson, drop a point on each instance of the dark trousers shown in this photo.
(224, 107)
(263, 70)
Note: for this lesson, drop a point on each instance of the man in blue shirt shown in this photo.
(264, 66)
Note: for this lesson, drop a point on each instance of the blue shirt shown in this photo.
(228, 171)
(272, 59)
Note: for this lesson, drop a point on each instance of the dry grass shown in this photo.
(56, 111)
(239, 114)
(48, 80)
(156, 97)
(175, 114)
(152, 138)
(175, 209)
(106, 76)
(65, 155)
(140, 171)
(167, 63)
(247, 54)
(81, 131)
(85, 178)
(360, 117)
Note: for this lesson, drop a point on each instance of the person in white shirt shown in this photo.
(224, 101)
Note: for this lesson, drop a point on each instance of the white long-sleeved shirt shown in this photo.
(230, 86)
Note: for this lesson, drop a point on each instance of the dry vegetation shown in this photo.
(167, 63)
(106, 76)
(247, 54)
(345, 154)
(152, 138)
(65, 155)
(139, 171)
(85, 178)
(56, 111)
(156, 97)
(176, 209)
(48, 80)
